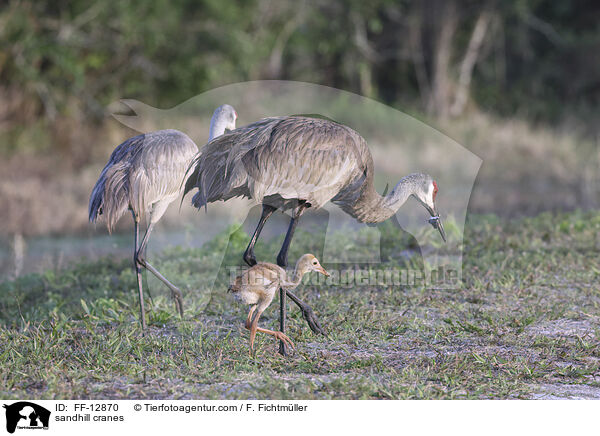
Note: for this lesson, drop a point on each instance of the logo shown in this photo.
(406, 248)
(26, 415)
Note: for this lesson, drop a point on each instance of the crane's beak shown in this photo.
(436, 222)
(322, 271)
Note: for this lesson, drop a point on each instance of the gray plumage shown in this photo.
(280, 161)
(145, 174)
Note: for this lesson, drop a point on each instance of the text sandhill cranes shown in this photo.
(257, 286)
(145, 174)
(297, 162)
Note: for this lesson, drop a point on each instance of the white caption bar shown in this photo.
(157, 417)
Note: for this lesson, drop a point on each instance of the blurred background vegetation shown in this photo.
(514, 81)
(517, 82)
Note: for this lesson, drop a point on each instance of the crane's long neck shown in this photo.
(370, 207)
(218, 124)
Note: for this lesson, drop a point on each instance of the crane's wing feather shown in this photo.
(140, 171)
(215, 170)
(286, 157)
(308, 159)
(158, 170)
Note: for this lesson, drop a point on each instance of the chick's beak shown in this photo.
(322, 271)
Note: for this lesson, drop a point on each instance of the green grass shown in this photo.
(524, 324)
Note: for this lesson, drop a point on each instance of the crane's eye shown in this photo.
(315, 262)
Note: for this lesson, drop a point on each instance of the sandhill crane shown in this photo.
(145, 174)
(257, 286)
(297, 162)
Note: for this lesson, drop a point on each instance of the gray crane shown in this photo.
(299, 162)
(145, 174)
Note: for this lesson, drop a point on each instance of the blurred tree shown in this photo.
(67, 59)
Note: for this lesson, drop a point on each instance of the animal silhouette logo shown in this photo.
(401, 145)
(26, 415)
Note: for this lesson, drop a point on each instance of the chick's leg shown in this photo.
(252, 324)
(249, 319)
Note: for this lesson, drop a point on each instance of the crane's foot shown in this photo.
(178, 297)
(312, 320)
(175, 291)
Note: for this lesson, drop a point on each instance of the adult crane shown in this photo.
(298, 162)
(145, 174)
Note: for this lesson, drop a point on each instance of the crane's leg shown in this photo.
(282, 262)
(140, 259)
(307, 311)
(249, 257)
(283, 253)
(308, 314)
(138, 270)
(282, 319)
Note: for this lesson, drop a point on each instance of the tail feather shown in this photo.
(116, 197)
(109, 197)
(193, 181)
(95, 207)
(191, 178)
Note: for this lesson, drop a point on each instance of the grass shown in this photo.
(524, 324)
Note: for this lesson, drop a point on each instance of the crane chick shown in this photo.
(257, 286)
